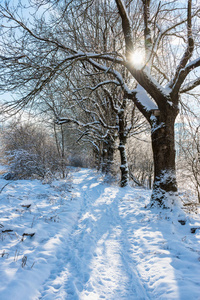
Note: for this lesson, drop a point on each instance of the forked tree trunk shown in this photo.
(163, 145)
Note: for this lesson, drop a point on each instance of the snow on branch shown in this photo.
(102, 84)
(152, 87)
(109, 70)
(192, 65)
(162, 33)
(78, 56)
(180, 74)
(144, 99)
(147, 30)
(190, 86)
(126, 25)
(60, 121)
(11, 58)
(184, 72)
(111, 99)
(93, 136)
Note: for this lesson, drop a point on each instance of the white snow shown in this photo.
(143, 98)
(154, 124)
(93, 241)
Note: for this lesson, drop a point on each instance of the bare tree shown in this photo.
(156, 93)
(189, 152)
(141, 161)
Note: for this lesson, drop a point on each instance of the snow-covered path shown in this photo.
(96, 242)
(96, 262)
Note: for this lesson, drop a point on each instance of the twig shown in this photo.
(5, 186)
(26, 205)
(27, 234)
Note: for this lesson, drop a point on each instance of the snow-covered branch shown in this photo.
(180, 75)
(142, 101)
(109, 70)
(190, 86)
(60, 121)
(184, 72)
(126, 25)
(107, 82)
(11, 58)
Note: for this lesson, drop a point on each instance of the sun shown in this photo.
(137, 58)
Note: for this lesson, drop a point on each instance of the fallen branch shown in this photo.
(27, 234)
(7, 230)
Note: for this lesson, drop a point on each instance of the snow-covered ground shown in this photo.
(83, 239)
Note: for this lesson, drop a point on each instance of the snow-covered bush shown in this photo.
(24, 164)
(30, 151)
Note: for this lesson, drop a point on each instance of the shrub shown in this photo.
(30, 151)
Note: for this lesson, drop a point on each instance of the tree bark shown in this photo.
(96, 153)
(122, 149)
(124, 165)
(107, 155)
(163, 145)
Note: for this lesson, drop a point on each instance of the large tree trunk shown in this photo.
(163, 145)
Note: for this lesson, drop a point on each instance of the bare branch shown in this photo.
(190, 86)
(179, 75)
(126, 25)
